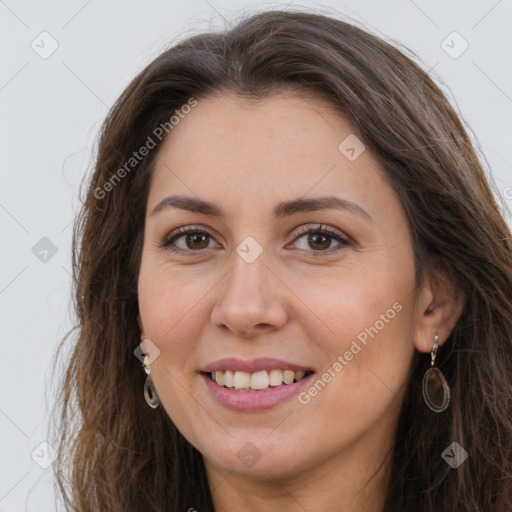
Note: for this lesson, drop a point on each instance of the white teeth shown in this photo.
(228, 378)
(256, 381)
(299, 375)
(242, 380)
(219, 378)
(288, 376)
(276, 377)
(259, 380)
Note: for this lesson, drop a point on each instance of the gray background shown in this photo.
(51, 110)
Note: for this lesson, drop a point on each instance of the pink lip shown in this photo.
(254, 400)
(256, 365)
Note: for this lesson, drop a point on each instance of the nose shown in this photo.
(251, 299)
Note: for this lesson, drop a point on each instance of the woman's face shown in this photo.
(249, 293)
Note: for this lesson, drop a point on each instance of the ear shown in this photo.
(141, 326)
(439, 306)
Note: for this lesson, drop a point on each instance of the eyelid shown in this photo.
(320, 228)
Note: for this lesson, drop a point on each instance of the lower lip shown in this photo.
(254, 400)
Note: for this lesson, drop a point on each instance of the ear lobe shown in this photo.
(439, 307)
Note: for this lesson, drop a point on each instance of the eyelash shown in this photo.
(320, 229)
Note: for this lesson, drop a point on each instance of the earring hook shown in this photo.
(433, 354)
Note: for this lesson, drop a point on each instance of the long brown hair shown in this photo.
(116, 454)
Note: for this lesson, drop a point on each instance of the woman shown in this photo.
(292, 286)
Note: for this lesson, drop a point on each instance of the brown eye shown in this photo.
(320, 239)
(196, 240)
(188, 239)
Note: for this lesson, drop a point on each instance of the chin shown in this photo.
(256, 457)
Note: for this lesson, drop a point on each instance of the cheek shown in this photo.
(170, 304)
(365, 372)
(170, 308)
(356, 303)
(365, 334)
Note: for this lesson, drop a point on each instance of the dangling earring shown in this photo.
(436, 391)
(149, 388)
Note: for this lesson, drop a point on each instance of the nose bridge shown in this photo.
(249, 264)
(248, 297)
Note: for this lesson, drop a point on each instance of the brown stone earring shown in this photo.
(436, 391)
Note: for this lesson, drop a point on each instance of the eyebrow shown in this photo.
(284, 209)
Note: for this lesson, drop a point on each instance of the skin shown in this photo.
(298, 301)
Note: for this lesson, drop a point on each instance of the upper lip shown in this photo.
(253, 366)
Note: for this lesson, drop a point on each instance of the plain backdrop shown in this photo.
(64, 64)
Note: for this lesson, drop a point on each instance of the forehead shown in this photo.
(224, 120)
(285, 145)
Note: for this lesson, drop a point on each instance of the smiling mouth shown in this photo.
(257, 381)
